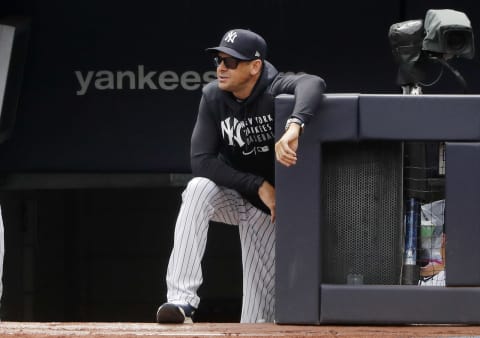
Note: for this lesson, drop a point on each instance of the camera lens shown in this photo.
(455, 40)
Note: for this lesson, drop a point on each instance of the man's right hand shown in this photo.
(266, 192)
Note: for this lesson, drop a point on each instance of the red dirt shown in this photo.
(138, 330)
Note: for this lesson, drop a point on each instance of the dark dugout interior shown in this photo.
(92, 175)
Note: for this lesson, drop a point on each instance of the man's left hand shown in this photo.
(286, 147)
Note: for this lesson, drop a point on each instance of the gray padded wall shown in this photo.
(301, 296)
(462, 214)
(298, 253)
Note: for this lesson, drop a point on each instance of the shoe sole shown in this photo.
(171, 314)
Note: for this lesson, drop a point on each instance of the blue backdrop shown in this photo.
(113, 86)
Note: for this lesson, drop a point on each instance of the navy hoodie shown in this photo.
(233, 142)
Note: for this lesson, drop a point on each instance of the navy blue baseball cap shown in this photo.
(242, 44)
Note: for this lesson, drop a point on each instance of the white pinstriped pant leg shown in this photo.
(203, 201)
(184, 274)
(257, 237)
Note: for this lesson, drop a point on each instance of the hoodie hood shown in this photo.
(269, 72)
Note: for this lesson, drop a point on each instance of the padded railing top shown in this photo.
(392, 117)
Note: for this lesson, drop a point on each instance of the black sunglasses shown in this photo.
(229, 61)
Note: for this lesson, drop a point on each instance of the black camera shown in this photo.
(406, 39)
(445, 33)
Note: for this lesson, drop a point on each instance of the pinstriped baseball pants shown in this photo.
(203, 201)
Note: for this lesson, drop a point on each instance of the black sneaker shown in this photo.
(170, 313)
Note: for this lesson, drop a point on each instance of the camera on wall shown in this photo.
(448, 32)
(442, 35)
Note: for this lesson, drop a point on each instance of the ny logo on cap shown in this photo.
(230, 37)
